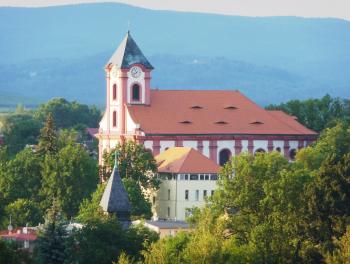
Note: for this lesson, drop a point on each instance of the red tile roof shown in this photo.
(185, 160)
(211, 112)
(17, 234)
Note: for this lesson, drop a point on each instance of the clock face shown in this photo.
(135, 71)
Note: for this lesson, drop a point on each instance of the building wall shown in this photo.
(177, 202)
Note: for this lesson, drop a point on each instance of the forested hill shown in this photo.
(61, 51)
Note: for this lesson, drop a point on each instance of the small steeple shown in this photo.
(115, 198)
(128, 53)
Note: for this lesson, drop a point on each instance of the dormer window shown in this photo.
(186, 122)
(221, 122)
(136, 92)
(256, 122)
(231, 107)
(196, 107)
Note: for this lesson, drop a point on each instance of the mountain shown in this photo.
(61, 51)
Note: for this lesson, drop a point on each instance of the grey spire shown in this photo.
(128, 53)
(115, 198)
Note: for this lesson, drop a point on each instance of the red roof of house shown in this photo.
(185, 160)
(17, 234)
(211, 112)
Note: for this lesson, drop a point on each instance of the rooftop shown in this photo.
(128, 53)
(185, 160)
(205, 112)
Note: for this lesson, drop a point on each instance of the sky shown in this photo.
(303, 8)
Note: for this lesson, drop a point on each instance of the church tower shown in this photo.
(128, 76)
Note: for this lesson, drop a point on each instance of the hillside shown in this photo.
(61, 51)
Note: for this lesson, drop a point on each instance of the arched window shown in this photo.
(292, 154)
(278, 149)
(136, 92)
(260, 150)
(114, 118)
(114, 92)
(224, 156)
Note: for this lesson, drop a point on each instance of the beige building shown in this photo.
(187, 178)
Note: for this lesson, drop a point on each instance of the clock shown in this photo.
(135, 72)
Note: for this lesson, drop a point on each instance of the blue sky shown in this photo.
(304, 8)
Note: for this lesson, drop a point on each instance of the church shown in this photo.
(216, 123)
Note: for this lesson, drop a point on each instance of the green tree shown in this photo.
(24, 211)
(51, 243)
(134, 162)
(20, 177)
(69, 177)
(316, 114)
(69, 114)
(20, 130)
(48, 142)
(90, 209)
(140, 206)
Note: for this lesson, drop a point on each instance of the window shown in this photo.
(213, 177)
(182, 177)
(212, 192)
(168, 212)
(197, 195)
(206, 177)
(292, 154)
(224, 156)
(168, 194)
(186, 177)
(154, 200)
(205, 193)
(259, 150)
(186, 195)
(114, 92)
(193, 177)
(202, 177)
(114, 118)
(169, 177)
(136, 92)
(278, 149)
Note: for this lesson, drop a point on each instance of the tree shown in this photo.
(327, 199)
(69, 177)
(48, 143)
(316, 114)
(140, 206)
(90, 209)
(69, 114)
(24, 211)
(134, 162)
(20, 130)
(51, 242)
(100, 241)
(20, 178)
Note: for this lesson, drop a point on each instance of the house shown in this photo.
(165, 228)
(187, 178)
(217, 123)
(24, 236)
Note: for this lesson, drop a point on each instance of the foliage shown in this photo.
(48, 142)
(69, 114)
(21, 176)
(69, 177)
(51, 243)
(11, 254)
(20, 130)
(24, 211)
(140, 206)
(100, 241)
(134, 162)
(90, 209)
(317, 114)
(341, 254)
